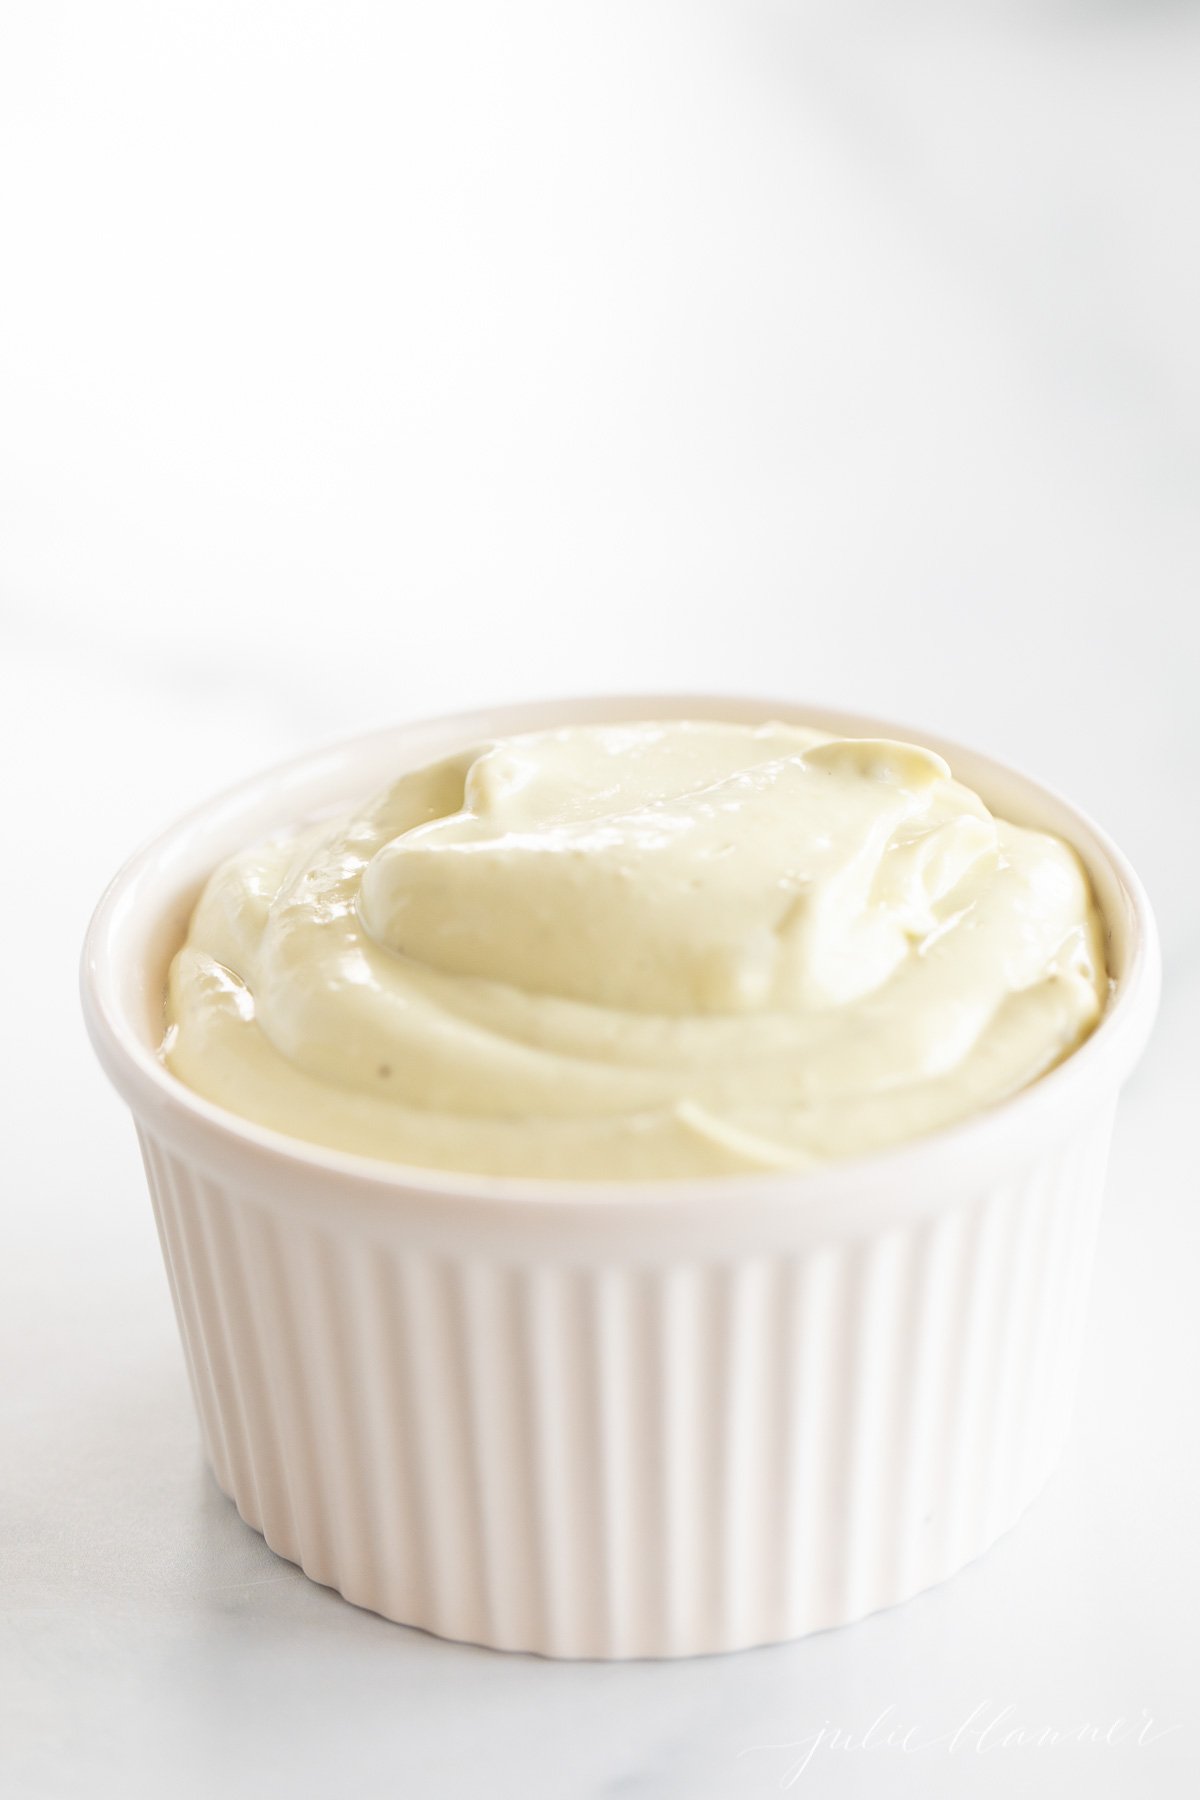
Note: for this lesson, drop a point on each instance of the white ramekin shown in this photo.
(618, 1419)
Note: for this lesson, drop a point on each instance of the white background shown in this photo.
(359, 361)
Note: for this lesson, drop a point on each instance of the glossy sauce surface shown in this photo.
(661, 949)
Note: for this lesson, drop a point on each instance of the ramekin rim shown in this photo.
(1127, 1019)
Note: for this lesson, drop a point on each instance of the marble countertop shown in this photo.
(369, 361)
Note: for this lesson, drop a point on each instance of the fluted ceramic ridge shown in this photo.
(632, 1457)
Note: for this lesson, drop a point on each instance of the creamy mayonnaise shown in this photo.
(656, 949)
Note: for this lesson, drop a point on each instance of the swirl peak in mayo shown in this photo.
(640, 950)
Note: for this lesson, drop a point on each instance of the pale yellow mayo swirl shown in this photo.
(658, 949)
